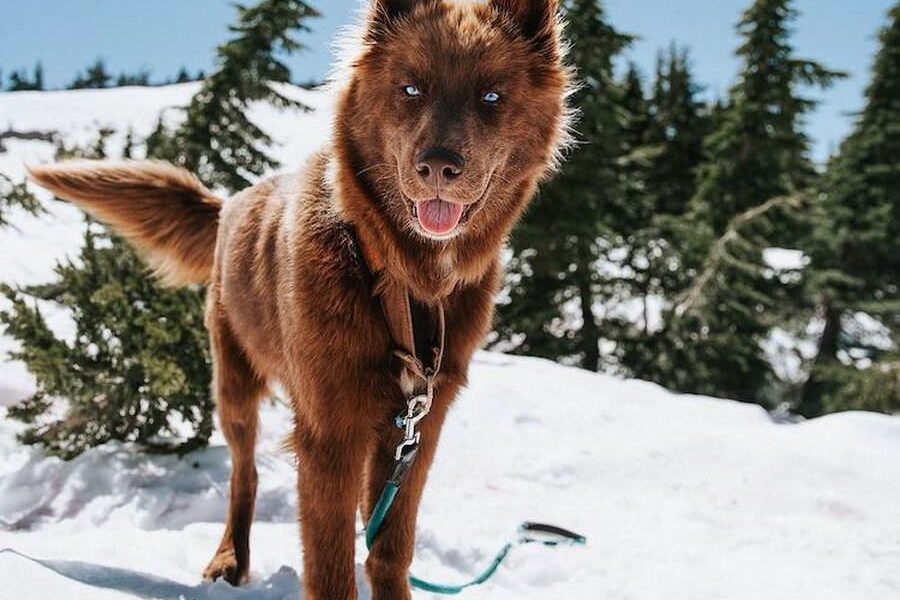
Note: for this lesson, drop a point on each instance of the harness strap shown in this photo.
(417, 330)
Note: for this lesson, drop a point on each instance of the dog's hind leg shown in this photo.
(238, 390)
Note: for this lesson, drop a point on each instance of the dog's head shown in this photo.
(454, 111)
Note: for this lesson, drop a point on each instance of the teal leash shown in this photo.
(547, 535)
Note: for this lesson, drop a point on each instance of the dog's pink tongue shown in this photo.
(438, 216)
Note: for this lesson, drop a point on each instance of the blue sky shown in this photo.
(163, 35)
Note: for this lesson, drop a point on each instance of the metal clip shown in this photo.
(417, 408)
(412, 442)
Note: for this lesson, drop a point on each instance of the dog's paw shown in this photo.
(224, 565)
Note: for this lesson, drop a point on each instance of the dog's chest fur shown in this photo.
(291, 275)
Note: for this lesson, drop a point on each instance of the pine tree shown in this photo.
(679, 124)
(554, 279)
(141, 78)
(39, 76)
(631, 243)
(217, 140)
(758, 150)
(19, 81)
(709, 341)
(636, 156)
(855, 251)
(16, 196)
(138, 369)
(95, 77)
(755, 170)
(128, 147)
(663, 244)
(183, 76)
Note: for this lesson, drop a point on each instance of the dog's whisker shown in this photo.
(369, 168)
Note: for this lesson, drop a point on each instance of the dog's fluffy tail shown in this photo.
(164, 210)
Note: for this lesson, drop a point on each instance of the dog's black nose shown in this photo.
(438, 167)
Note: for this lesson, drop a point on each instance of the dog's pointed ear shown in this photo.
(383, 12)
(535, 19)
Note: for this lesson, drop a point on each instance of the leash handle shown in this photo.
(549, 535)
(528, 532)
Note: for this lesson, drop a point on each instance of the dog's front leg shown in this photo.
(329, 479)
(392, 551)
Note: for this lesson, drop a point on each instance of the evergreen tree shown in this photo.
(39, 77)
(16, 195)
(875, 387)
(753, 175)
(855, 251)
(679, 124)
(554, 278)
(95, 77)
(635, 106)
(636, 155)
(138, 368)
(758, 150)
(217, 140)
(19, 81)
(141, 78)
(128, 148)
(183, 76)
(663, 245)
(630, 244)
(709, 341)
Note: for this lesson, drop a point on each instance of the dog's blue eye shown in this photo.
(491, 97)
(411, 91)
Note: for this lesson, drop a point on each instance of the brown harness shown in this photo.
(417, 328)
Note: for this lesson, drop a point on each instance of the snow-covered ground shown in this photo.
(681, 497)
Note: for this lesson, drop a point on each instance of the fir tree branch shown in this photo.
(693, 297)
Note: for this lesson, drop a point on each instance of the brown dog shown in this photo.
(449, 117)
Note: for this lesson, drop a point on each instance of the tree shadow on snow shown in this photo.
(283, 585)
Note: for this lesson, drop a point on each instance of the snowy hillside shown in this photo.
(681, 497)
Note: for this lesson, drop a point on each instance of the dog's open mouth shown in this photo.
(442, 218)
(438, 217)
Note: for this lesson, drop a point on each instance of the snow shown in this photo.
(789, 353)
(680, 497)
(784, 259)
